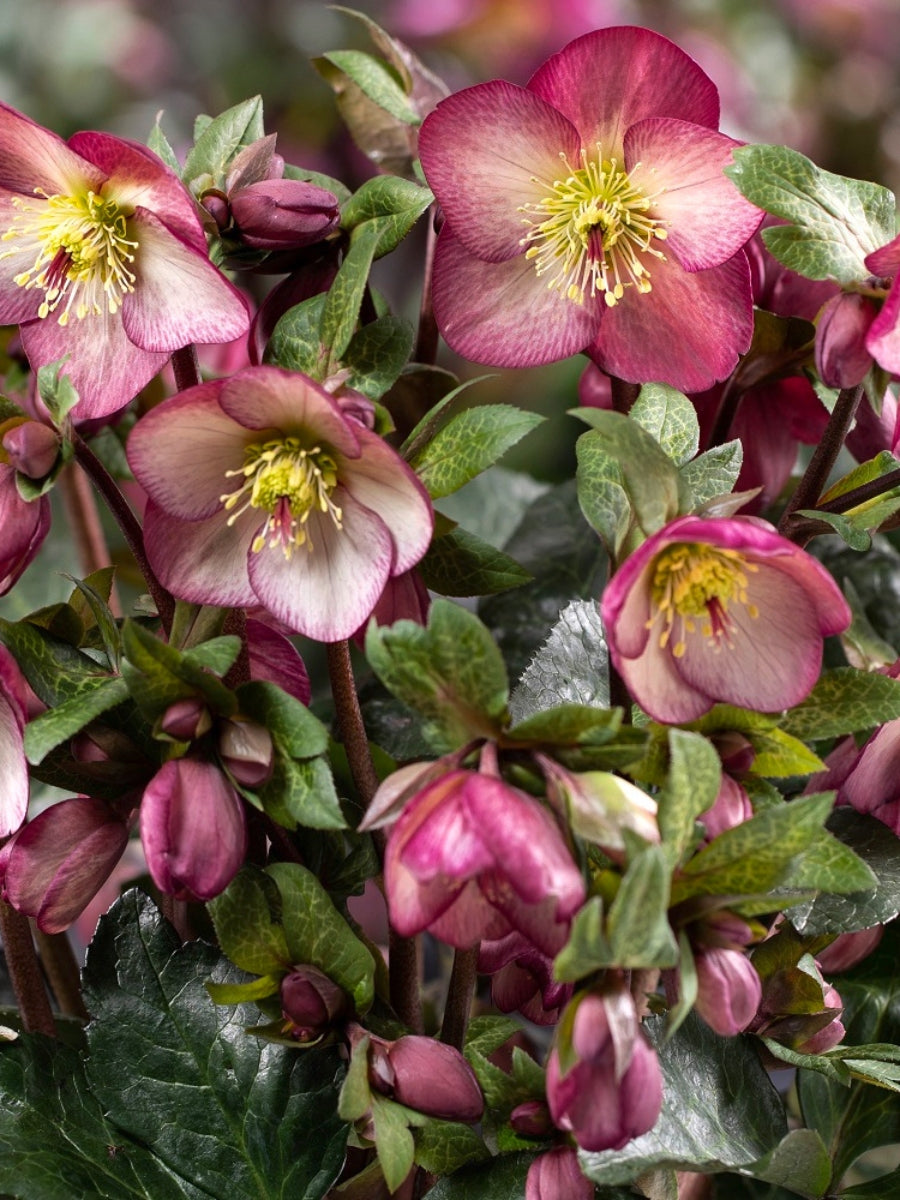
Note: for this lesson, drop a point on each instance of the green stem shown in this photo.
(25, 972)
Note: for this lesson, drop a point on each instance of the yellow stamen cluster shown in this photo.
(288, 481)
(693, 584)
(591, 231)
(81, 251)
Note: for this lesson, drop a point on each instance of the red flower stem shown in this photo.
(459, 997)
(427, 336)
(84, 524)
(404, 952)
(186, 368)
(61, 969)
(127, 522)
(727, 411)
(815, 476)
(25, 972)
(624, 394)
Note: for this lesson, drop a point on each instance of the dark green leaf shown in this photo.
(468, 443)
(445, 1146)
(220, 141)
(800, 1162)
(301, 792)
(57, 725)
(572, 666)
(56, 670)
(296, 341)
(503, 1178)
(459, 563)
(297, 730)
(246, 921)
(637, 927)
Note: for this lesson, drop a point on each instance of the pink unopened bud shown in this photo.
(281, 214)
(217, 206)
(186, 719)
(841, 355)
(193, 829)
(848, 949)
(247, 752)
(311, 1002)
(729, 990)
(426, 1075)
(556, 1175)
(732, 807)
(830, 1034)
(531, 1119)
(31, 448)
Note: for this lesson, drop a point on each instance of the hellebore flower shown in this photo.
(13, 767)
(556, 1175)
(522, 979)
(24, 523)
(311, 1003)
(424, 1074)
(193, 829)
(103, 261)
(472, 858)
(263, 491)
(719, 610)
(728, 989)
(612, 1091)
(54, 866)
(589, 211)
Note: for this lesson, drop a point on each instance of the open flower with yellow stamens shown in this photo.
(103, 261)
(264, 491)
(719, 610)
(589, 211)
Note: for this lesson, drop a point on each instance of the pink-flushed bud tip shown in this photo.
(426, 1075)
(729, 990)
(31, 448)
(186, 719)
(311, 1002)
(556, 1175)
(247, 752)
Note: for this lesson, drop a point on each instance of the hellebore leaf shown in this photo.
(572, 666)
(444, 1146)
(843, 701)
(451, 672)
(373, 77)
(691, 787)
(296, 341)
(637, 926)
(670, 419)
(834, 222)
(245, 917)
(469, 443)
(377, 354)
(231, 1115)
(712, 473)
(459, 563)
(57, 725)
(220, 140)
(800, 1161)
(157, 674)
(56, 670)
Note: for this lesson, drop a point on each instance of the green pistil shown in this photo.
(591, 233)
(81, 253)
(288, 481)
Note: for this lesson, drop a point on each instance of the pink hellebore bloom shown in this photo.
(13, 766)
(263, 491)
(24, 449)
(426, 1075)
(472, 858)
(612, 1092)
(719, 610)
(103, 260)
(556, 1175)
(193, 829)
(522, 979)
(56, 864)
(589, 211)
(729, 989)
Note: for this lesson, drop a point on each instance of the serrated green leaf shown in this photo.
(245, 917)
(450, 671)
(318, 935)
(291, 724)
(220, 139)
(445, 1146)
(377, 354)
(230, 1114)
(568, 725)
(301, 792)
(55, 726)
(847, 529)
(602, 494)
(341, 307)
(488, 1032)
(572, 666)
(375, 79)
(159, 144)
(843, 701)
(459, 563)
(712, 473)
(833, 222)
(588, 948)
(830, 866)
(296, 341)
(692, 785)
(469, 443)
(670, 419)
(637, 926)
(390, 205)
(800, 1162)
(218, 655)
(56, 670)
(777, 755)
(157, 674)
(393, 1141)
(86, 596)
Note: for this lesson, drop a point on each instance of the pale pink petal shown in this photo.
(688, 331)
(107, 369)
(469, 919)
(181, 450)
(682, 167)
(179, 296)
(276, 659)
(445, 842)
(872, 783)
(13, 770)
(502, 313)
(32, 157)
(17, 303)
(883, 338)
(488, 150)
(271, 398)
(769, 662)
(625, 607)
(136, 177)
(607, 80)
(326, 593)
(653, 679)
(201, 561)
(382, 481)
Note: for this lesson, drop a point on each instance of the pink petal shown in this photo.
(469, 919)
(106, 368)
(201, 561)
(181, 450)
(706, 217)
(137, 178)
(885, 261)
(13, 770)
(271, 398)
(662, 691)
(16, 303)
(688, 331)
(883, 338)
(488, 150)
(607, 80)
(23, 526)
(179, 297)
(275, 658)
(381, 481)
(873, 781)
(326, 593)
(502, 313)
(32, 157)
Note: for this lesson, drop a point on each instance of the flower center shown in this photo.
(696, 583)
(81, 253)
(591, 230)
(288, 482)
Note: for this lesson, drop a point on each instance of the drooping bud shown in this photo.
(187, 719)
(311, 1002)
(732, 807)
(556, 1175)
(729, 990)
(842, 359)
(247, 752)
(426, 1075)
(600, 805)
(532, 1119)
(32, 448)
(281, 214)
(848, 949)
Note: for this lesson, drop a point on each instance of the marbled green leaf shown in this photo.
(712, 473)
(572, 666)
(220, 140)
(468, 443)
(245, 917)
(56, 725)
(670, 419)
(843, 701)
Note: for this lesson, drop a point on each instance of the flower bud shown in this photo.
(531, 1119)
(848, 949)
(841, 355)
(247, 752)
(831, 1034)
(426, 1075)
(310, 1002)
(728, 990)
(187, 719)
(556, 1175)
(280, 214)
(732, 807)
(217, 206)
(31, 448)
(601, 805)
